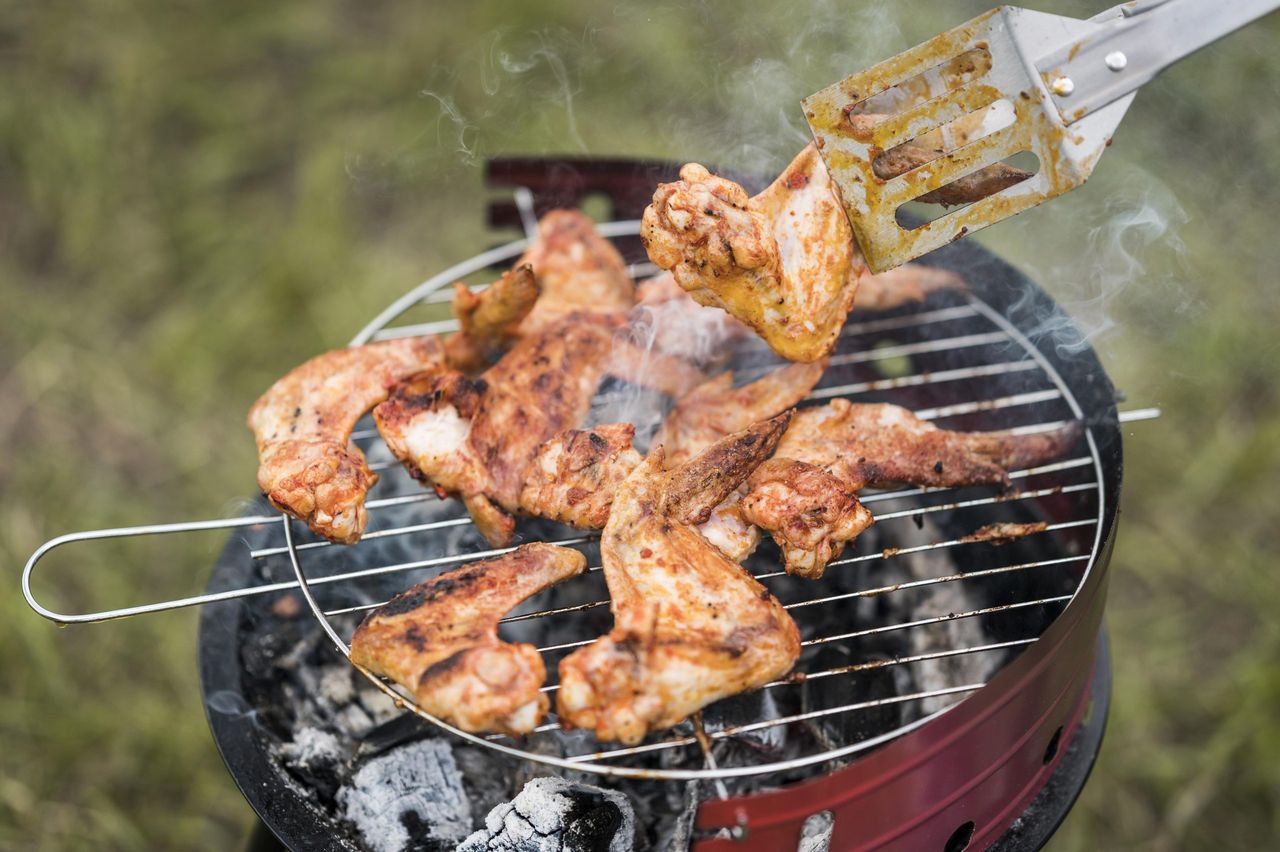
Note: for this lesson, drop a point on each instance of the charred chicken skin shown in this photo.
(303, 425)
(690, 626)
(575, 475)
(440, 641)
(784, 262)
(804, 496)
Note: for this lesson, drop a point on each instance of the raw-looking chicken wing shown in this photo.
(861, 446)
(440, 641)
(578, 271)
(784, 262)
(489, 320)
(690, 626)
(479, 438)
(303, 425)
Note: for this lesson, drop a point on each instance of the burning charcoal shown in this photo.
(409, 798)
(555, 815)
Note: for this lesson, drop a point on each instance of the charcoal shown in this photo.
(315, 757)
(554, 815)
(410, 798)
(815, 834)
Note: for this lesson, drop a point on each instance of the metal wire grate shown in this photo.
(965, 351)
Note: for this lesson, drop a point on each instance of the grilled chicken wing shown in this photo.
(479, 438)
(810, 512)
(575, 475)
(690, 626)
(578, 271)
(715, 409)
(846, 447)
(676, 325)
(784, 262)
(303, 425)
(489, 319)
(439, 639)
(911, 282)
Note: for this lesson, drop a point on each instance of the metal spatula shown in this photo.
(1011, 80)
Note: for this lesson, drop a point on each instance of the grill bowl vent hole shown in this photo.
(1051, 750)
(960, 838)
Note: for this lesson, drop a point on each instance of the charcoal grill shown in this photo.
(887, 755)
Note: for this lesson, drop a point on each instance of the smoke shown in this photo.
(227, 703)
(1126, 236)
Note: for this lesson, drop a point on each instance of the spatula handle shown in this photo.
(1133, 46)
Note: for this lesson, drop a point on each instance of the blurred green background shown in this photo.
(196, 197)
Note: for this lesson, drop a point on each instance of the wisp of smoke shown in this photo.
(1138, 222)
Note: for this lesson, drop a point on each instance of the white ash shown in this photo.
(937, 600)
(415, 786)
(554, 815)
(313, 749)
(815, 834)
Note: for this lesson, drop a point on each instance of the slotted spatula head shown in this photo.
(966, 100)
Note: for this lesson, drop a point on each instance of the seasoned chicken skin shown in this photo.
(479, 438)
(489, 320)
(911, 282)
(715, 409)
(577, 269)
(575, 475)
(303, 425)
(690, 626)
(784, 262)
(439, 640)
(844, 447)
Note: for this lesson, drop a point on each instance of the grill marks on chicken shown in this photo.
(480, 438)
(690, 626)
(439, 640)
(784, 262)
(805, 496)
(303, 425)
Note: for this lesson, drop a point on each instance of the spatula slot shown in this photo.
(939, 80)
(976, 185)
(942, 140)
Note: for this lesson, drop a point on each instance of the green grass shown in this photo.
(197, 197)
